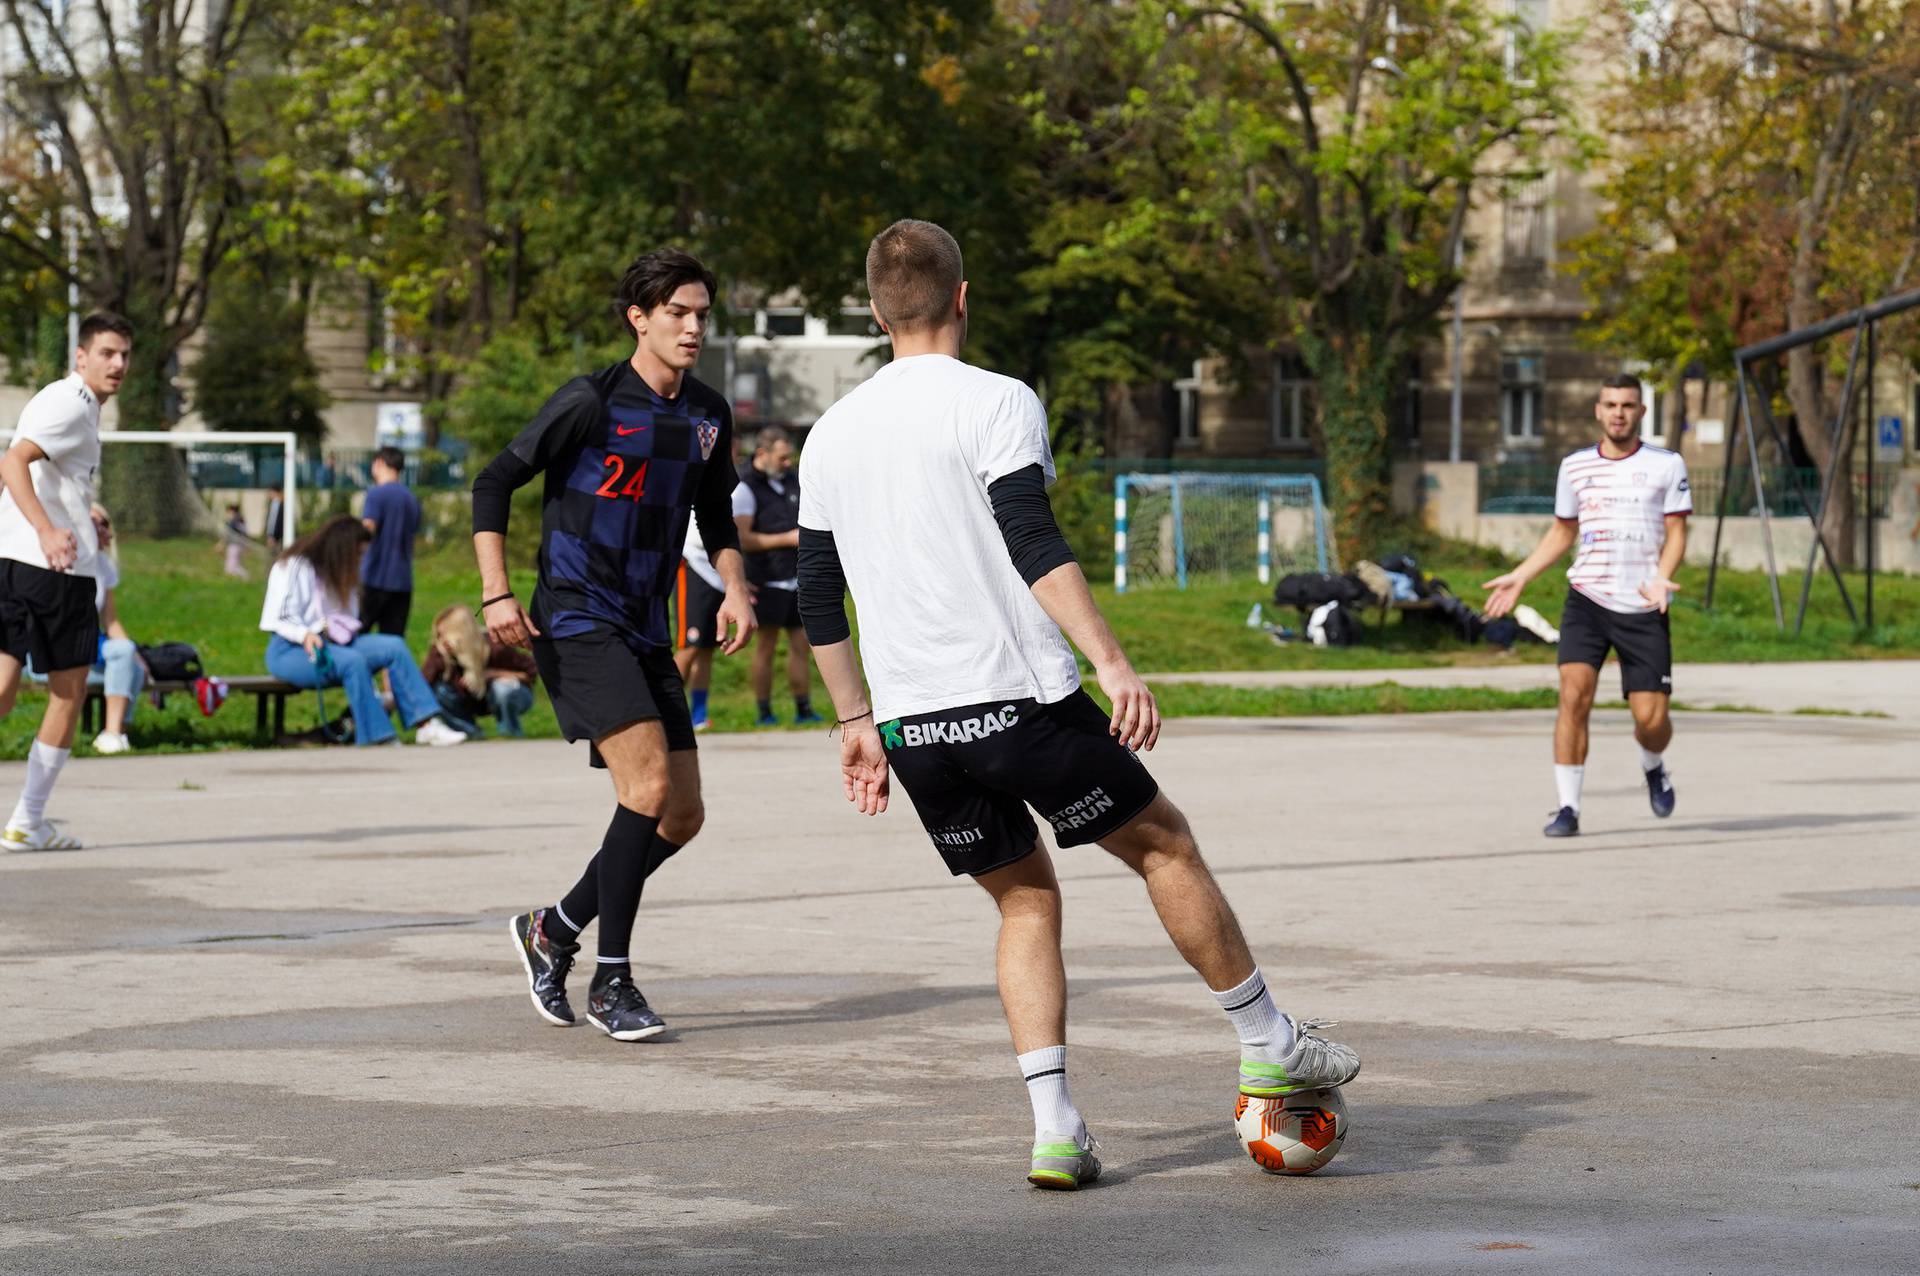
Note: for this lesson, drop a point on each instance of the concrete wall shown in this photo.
(1446, 498)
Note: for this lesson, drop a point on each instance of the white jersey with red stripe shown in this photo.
(1621, 505)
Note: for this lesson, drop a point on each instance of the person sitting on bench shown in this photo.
(313, 612)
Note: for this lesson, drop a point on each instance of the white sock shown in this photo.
(1567, 780)
(1053, 1110)
(1649, 760)
(43, 768)
(1263, 1030)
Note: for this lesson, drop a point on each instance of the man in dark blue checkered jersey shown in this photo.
(630, 453)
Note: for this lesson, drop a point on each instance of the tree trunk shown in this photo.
(1353, 379)
(1813, 411)
(146, 486)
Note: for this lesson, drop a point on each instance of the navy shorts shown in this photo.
(598, 683)
(1643, 639)
(973, 771)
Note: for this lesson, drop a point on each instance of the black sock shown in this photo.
(605, 970)
(766, 708)
(802, 706)
(580, 905)
(623, 864)
(659, 852)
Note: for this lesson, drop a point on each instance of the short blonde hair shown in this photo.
(913, 270)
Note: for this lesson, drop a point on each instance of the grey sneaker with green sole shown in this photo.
(1062, 1164)
(1314, 1063)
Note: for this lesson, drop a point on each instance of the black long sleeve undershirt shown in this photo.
(1020, 507)
(1034, 540)
(823, 589)
(493, 490)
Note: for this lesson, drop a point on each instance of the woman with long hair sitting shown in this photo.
(313, 612)
(473, 676)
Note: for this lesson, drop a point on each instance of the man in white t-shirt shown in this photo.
(924, 493)
(1625, 503)
(49, 555)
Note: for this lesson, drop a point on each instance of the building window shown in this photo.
(1411, 399)
(1292, 401)
(1524, 224)
(1530, 17)
(785, 323)
(1187, 431)
(853, 321)
(1523, 387)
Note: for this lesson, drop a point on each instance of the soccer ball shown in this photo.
(1293, 1134)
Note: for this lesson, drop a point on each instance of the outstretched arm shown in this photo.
(823, 611)
(1505, 590)
(1043, 558)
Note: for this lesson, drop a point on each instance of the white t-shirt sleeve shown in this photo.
(1679, 495)
(1014, 437)
(743, 503)
(1565, 504)
(813, 496)
(55, 421)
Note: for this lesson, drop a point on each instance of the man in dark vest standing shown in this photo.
(766, 508)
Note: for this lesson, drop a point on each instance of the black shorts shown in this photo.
(48, 616)
(971, 773)
(384, 611)
(599, 684)
(776, 608)
(699, 605)
(1643, 640)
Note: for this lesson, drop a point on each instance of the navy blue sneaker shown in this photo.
(617, 1008)
(547, 964)
(766, 720)
(807, 719)
(1566, 823)
(1660, 792)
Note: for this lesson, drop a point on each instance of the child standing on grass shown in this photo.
(236, 542)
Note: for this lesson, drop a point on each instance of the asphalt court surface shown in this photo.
(271, 1021)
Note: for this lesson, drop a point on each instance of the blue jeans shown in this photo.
(116, 673)
(353, 668)
(507, 698)
(122, 674)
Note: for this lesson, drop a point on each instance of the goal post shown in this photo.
(117, 446)
(1168, 528)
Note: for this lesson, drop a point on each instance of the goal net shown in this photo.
(177, 483)
(1170, 528)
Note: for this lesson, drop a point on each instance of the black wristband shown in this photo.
(842, 722)
(488, 602)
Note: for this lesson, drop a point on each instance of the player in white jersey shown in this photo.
(924, 491)
(1625, 504)
(49, 556)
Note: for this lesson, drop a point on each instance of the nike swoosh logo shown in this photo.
(624, 430)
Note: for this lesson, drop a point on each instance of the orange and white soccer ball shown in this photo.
(1293, 1134)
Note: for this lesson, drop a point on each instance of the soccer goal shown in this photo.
(1168, 528)
(151, 480)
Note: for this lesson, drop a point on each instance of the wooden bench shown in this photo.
(260, 686)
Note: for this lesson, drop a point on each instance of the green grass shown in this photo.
(174, 590)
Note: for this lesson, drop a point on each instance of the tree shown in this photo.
(1768, 176)
(136, 115)
(254, 371)
(1341, 155)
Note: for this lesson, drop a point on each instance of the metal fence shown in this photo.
(1527, 488)
(328, 470)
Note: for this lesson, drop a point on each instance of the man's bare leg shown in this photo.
(1277, 1054)
(1653, 731)
(27, 829)
(1033, 993)
(766, 644)
(1578, 683)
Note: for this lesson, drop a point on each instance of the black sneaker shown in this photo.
(618, 1009)
(547, 965)
(1660, 792)
(1566, 823)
